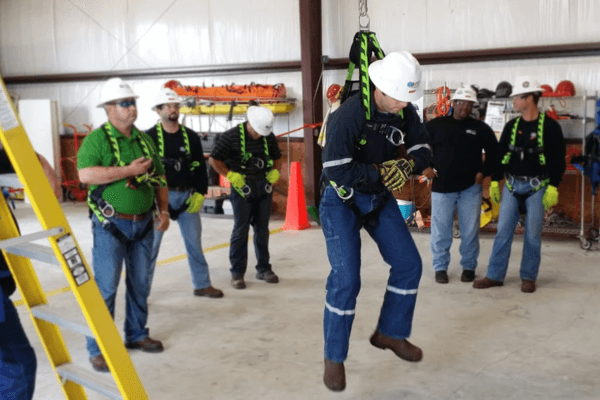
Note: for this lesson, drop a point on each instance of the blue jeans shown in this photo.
(245, 213)
(108, 255)
(341, 228)
(532, 240)
(17, 358)
(190, 226)
(468, 203)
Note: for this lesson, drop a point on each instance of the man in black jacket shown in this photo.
(531, 158)
(180, 150)
(18, 363)
(457, 142)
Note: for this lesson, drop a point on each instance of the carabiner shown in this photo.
(246, 190)
(395, 136)
(108, 211)
(268, 187)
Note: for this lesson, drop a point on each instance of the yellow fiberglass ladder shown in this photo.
(63, 251)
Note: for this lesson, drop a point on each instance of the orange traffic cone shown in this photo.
(296, 217)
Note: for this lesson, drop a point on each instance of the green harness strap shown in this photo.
(114, 146)
(540, 144)
(186, 143)
(247, 156)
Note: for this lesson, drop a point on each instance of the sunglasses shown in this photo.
(124, 103)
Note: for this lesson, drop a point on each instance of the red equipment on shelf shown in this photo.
(75, 190)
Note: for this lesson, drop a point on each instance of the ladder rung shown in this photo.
(89, 379)
(30, 237)
(34, 251)
(48, 313)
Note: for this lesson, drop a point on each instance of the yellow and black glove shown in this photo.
(495, 192)
(194, 203)
(273, 176)
(395, 173)
(236, 179)
(550, 197)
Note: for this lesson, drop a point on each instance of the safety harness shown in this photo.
(537, 182)
(177, 163)
(364, 46)
(103, 210)
(249, 159)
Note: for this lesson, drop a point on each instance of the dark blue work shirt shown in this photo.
(351, 167)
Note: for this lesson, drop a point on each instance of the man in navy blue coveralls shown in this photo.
(363, 161)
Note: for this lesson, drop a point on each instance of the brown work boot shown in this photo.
(402, 347)
(486, 283)
(468, 275)
(334, 376)
(527, 286)
(99, 363)
(441, 277)
(267, 276)
(148, 345)
(237, 281)
(209, 292)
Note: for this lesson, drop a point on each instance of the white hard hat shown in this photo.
(526, 84)
(165, 96)
(464, 93)
(261, 120)
(115, 89)
(398, 75)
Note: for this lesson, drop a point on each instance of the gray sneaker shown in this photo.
(237, 281)
(267, 276)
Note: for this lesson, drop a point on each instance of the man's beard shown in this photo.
(173, 117)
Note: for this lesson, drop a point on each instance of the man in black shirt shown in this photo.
(180, 150)
(457, 142)
(245, 154)
(531, 158)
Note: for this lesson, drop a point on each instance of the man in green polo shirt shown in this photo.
(123, 169)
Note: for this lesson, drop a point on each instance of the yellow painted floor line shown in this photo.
(162, 262)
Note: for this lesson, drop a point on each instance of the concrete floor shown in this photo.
(266, 342)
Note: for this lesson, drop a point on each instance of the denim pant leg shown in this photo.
(158, 235)
(260, 223)
(108, 254)
(507, 222)
(137, 281)
(398, 249)
(469, 214)
(238, 250)
(190, 226)
(18, 363)
(532, 240)
(342, 237)
(442, 218)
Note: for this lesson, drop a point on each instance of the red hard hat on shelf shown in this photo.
(565, 88)
(547, 90)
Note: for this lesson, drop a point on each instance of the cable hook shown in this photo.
(362, 10)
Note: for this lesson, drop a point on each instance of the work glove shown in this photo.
(395, 173)
(194, 203)
(495, 192)
(273, 176)
(550, 197)
(236, 179)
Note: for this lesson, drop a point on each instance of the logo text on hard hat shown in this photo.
(526, 84)
(413, 84)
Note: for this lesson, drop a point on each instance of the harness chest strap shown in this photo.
(186, 142)
(100, 207)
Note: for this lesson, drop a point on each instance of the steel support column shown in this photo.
(312, 93)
